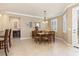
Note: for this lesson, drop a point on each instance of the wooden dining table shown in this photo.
(47, 34)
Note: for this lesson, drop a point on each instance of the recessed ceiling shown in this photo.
(34, 9)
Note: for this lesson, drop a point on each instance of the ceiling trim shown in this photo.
(65, 9)
(28, 15)
(69, 6)
(21, 14)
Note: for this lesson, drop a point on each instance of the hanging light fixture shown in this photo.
(45, 19)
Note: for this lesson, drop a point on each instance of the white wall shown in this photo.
(24, 21)
(25, 29)
(4, 22)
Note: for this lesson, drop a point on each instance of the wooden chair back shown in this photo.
(4, 43)
(10, 37)
(6, 34)
(9, 32)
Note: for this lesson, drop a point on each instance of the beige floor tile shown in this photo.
(29, 48)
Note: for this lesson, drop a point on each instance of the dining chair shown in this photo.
(47, 38)
(53, 35)
(36, 37)
(44, 38)
(4, 42)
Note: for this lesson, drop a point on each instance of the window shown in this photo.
(54, 25)
(64, 23)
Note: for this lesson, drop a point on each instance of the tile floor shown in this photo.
(29, 48)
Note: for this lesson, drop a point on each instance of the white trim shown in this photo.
(25, 38)
(68, 44)
(72, 4)
(15, 13)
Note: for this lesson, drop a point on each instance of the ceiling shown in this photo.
(34, 9)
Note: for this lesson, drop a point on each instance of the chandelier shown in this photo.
(45, 19)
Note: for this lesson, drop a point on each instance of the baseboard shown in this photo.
(68, 44)
(25, 38)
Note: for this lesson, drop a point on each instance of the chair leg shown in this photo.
(40, 41)
(54, 38)
(9, 42)
(35, 41)
(5, 52)
(7, 48)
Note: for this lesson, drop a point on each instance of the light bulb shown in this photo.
(0, 15)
